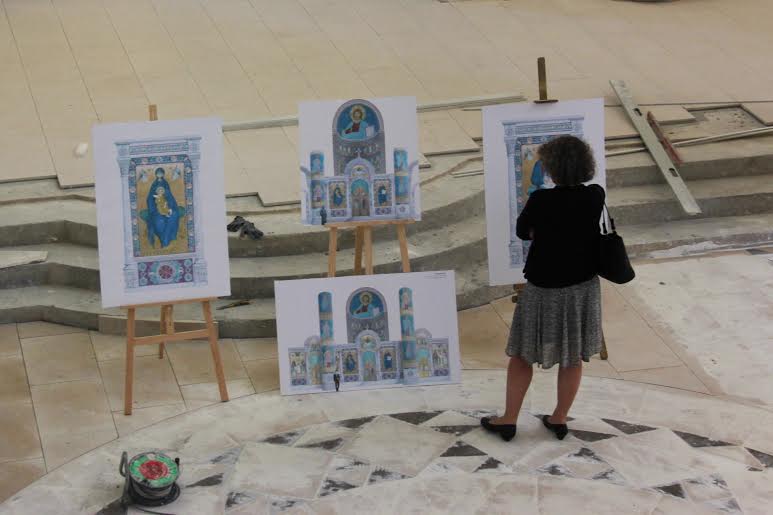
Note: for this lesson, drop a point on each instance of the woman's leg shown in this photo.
(518, 379)
(568, 384)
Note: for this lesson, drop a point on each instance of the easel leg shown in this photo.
(403, 239)
(207, 308)
(368, 242)
(603, 354)
(358, 236)
(331, 252)
(168, 327)
(129, 380)
(162, 328)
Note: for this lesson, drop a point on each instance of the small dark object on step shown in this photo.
(235, 304)
(337, 381)
(323, 215)
(237, 224)
(249, 229)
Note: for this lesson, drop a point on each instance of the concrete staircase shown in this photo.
(735, 193)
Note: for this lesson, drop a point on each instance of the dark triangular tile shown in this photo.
(700, 441)
(237, 498)
(286, 438)
(611, 476)
(725, 505)
(416, 417)
(758, 252)
(354, 423)
(554, 470)
(454, 430)
(764, 458)
(674, 489)
(328, 445)
(331, 486)
(227, 458)
(380, 475)
(462, 449)
(627, 427)
(490, 464)
(284, 503)
(589, 436)
(477, 413)
(213, 480)
(586, 454)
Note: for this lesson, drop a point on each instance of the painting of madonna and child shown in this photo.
(160, 211)
(359, 160)
(512, 136)
(364, 332)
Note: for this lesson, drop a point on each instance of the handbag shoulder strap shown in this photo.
(604, 222)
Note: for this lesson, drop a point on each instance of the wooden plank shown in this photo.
(185, 335)
(331, 252)
(666, 166)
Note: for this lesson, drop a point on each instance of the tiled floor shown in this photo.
(62, 387)
(69, 64)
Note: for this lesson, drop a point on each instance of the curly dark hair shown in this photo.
(568, 160)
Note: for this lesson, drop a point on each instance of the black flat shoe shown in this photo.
(506, 431)
(236, 225)
(560, 430)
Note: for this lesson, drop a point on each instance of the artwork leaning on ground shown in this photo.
(512, 135)
(160, 211)
(359, 160)
(381, 331)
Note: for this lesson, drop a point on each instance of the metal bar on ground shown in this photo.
(664, 162)
(700, 141)
(462, 103)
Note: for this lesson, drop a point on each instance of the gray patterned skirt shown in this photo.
(557, 325)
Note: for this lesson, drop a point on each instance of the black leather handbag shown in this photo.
(614, 264)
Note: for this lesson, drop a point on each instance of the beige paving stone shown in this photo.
(481, 330)
(53, 359)
(204, 394)
(441, 134)
(13, 380)
(256, 348)
(671, 114)
(192, 362)
(154, 382)
(9, 341)
(36, 329)
(632, 343)
(144, 417)
(64, 448)
(15, 475)
(264, 374)
(675, 377)
(19, 438)
(487, 361)
(597, 367)
(109, 347)
(763, 111)
(504, 308)
(617, 125)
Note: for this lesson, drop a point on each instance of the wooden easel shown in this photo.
(543, 99)
(168, 333)
(363, 243)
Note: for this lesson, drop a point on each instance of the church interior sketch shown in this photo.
(359, 161)
(512, 135)
(364, 353)
(160, 195)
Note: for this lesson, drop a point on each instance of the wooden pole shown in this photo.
(331, 251)
(403, 239)
(358, 237)
(368, 242)
(129, 379)
(152, 112)
(215, 348)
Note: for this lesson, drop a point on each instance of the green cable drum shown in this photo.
(150, 478)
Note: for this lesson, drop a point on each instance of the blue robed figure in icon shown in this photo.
(382, 195)
(163, 214)
(358, 128)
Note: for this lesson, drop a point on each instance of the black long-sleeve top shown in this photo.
(563, 224)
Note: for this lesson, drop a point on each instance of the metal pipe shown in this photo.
(463, 103)
(700, 141)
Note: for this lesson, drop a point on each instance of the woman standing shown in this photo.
(558, 316)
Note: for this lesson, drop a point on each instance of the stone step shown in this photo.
(728, 196)
(77, 266)
(81, 308)
(445, 200)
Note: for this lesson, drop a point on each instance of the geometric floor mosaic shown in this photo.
(306, 469)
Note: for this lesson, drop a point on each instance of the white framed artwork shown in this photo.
(512, 134)
(160, 211)
(359, 160)
(365, 332)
